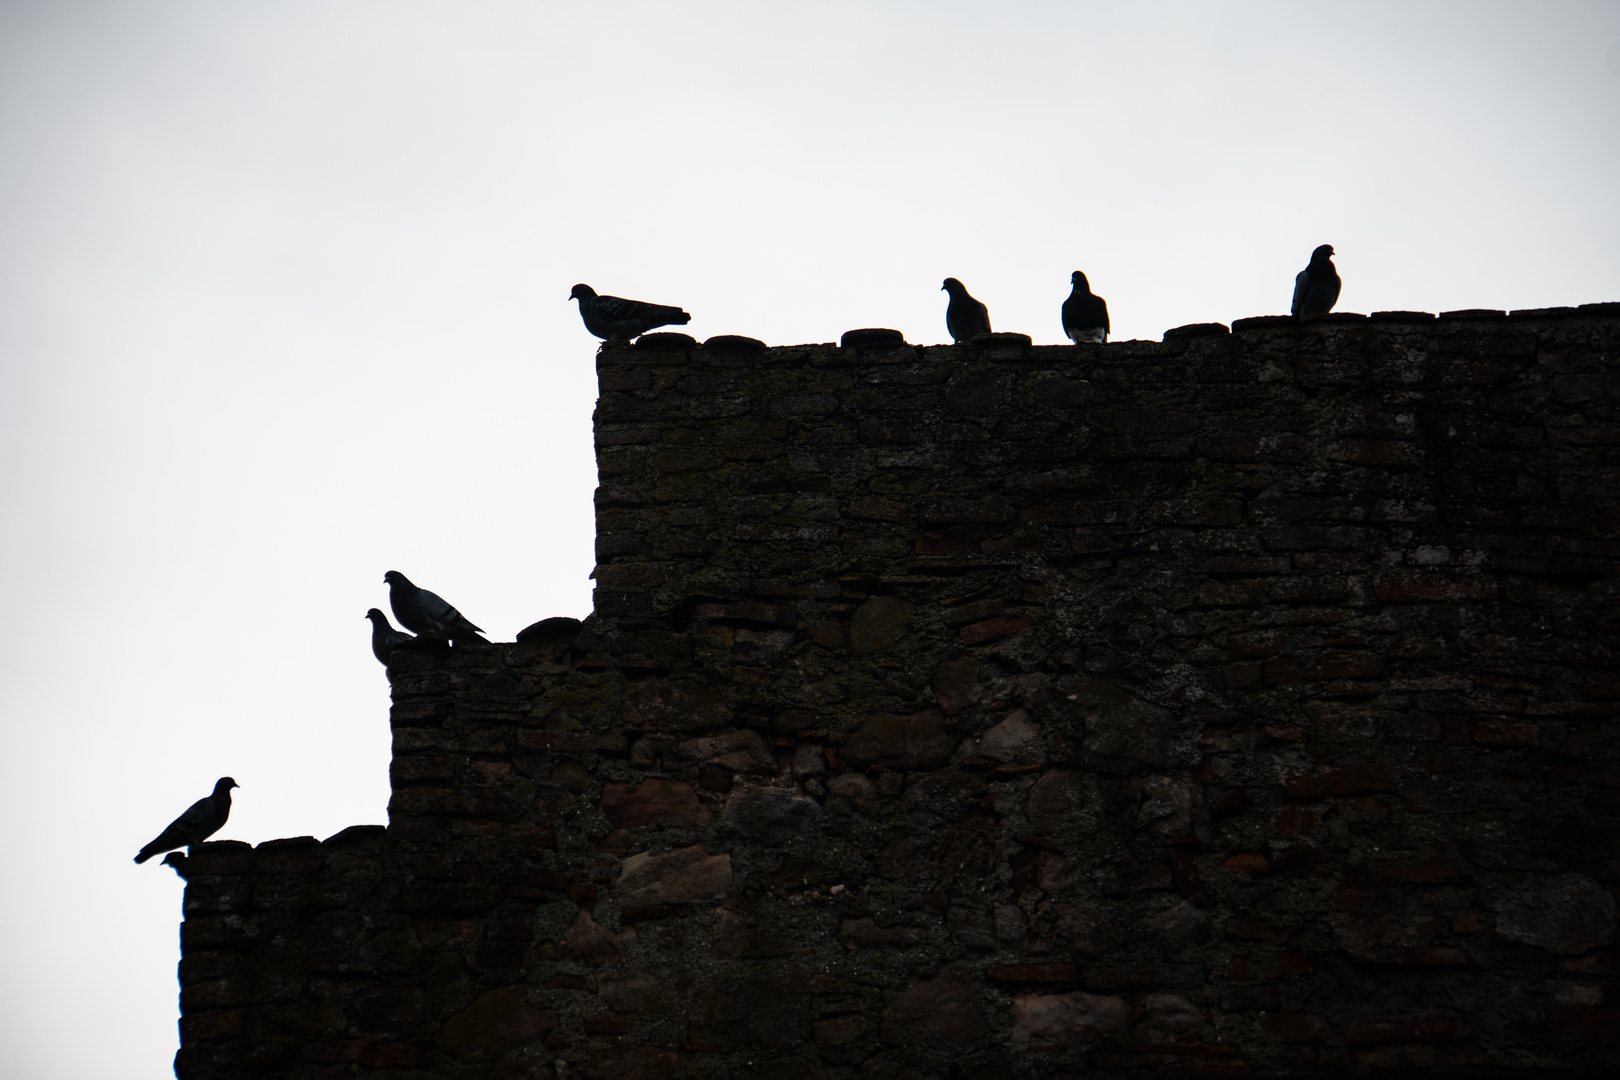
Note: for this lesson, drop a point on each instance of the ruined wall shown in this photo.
(1241, 704)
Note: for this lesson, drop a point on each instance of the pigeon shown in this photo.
(425, 612)
(176, 861)
(964, 316)
(1085, 314)
(383, 636)
(613, 317)
(204, 819)
(1316, 288)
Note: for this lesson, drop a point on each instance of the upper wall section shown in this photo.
(1439, 459)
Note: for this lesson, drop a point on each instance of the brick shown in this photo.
(1435, 871)
(1324, 667)
(1350, 780)
(982, 633)
(1420, 1031)
(1429, 588)
(1593, 1025)
(1380, 454)
(1019, 973)
(1506, 733)
(1295, 1028)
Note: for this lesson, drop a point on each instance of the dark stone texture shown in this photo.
(1238, 704)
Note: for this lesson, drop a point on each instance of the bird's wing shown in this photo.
(614, 308)
(197, 814)
(433, 606)
(1302, 285)
(442, 614)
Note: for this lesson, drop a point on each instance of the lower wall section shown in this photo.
(562, 897)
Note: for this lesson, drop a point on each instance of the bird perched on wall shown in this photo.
(1316, 288)
(204, 818)
(426, 612)
(964, 316)
(613, 317)
(1085, 314)
(383, 636)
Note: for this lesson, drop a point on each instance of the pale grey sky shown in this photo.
(283, 305)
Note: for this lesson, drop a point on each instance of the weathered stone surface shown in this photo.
(745, 751)
(956, 684)
(1056, 800)
(912, 741)
(651, 801)
(677, 877)
(675, 705)
(867, 934)
(944, 1009)
(858, 791)
(1565, 914)
(1013, 738)
(1172, 1014)
(591, 942)
(634, 991)
(495, 1022)
(878, 624)
(764, 813)
(1062, 1020)
(1125, 733)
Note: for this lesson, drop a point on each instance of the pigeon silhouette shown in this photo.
(176, 861)
(615, 318)
(1316, 288)
(202, 820)
(1085, 314)
(964, 316)
(383, 636)
(426, 612)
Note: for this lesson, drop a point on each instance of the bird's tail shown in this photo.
(146, 853)
(680, 320)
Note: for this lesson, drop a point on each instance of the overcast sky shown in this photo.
(283, 306)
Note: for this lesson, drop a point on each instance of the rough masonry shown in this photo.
(1240, 704)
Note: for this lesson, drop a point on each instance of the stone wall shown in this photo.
(1241, 704)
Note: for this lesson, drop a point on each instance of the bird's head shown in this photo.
(1077, 278)
(376, 616)
(1322, 252)
(952, 286)
(394, 577)
(225, 783)
(582, 292)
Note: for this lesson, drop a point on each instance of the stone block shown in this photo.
(1565, 914)
(943, 1009)
(676, 877)
(496, 1022)
(1064, 1020)
(879, 623)
(769, 814)
(653, 801)
(913, 741)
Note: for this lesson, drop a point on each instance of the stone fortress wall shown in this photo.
(1243, 704)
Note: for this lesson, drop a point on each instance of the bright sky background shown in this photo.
(282, 306)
